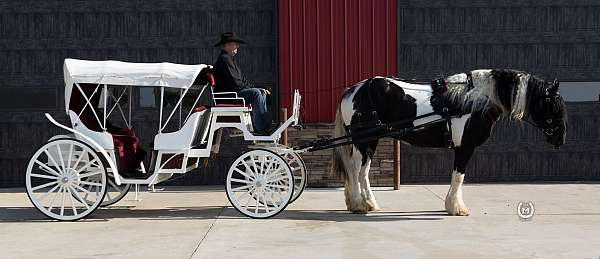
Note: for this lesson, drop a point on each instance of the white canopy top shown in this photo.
(125, 73)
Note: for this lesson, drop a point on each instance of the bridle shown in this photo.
(550, 124)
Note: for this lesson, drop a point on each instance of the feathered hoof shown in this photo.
(457, 211)
(362, 211)
(372, 206)
(359, 208)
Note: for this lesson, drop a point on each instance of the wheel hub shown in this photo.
(260, 182)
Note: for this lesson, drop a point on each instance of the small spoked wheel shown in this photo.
(298, 170)
(66, 179)
(260, 184)
(114, 192)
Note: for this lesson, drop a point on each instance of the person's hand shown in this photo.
(265, 91)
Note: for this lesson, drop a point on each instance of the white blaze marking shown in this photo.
(458, 129)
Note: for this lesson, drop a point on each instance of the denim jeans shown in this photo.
(260, 118)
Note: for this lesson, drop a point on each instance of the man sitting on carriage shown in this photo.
(229, 78)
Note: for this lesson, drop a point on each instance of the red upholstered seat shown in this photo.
(199, 109)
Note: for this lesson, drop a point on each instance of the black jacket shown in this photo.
(229, 77)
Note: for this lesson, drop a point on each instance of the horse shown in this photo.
(464, 108)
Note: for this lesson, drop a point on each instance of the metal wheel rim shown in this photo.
(260, 184)
(63, 174)
(298, 171)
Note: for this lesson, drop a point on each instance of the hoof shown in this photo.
(360, 212)
(372, 206)
(458, 212)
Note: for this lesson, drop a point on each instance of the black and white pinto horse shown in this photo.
(473, 103)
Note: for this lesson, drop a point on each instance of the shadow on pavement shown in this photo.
(30, 214)
(345, 216)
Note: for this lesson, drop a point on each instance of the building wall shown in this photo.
(548, 38)
(327, 45)
(36, 36)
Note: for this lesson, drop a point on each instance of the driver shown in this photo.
(229, 78)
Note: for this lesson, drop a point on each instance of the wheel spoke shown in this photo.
(91, 183)
(86, 191)
(43, 186)
(53, 161)
(278, 186)
(251, 196)
(282, 177)
(257, 201)
(72, 201)
(254, 165)
(90, 173)
(242, 188)
(82, 201)
(276, 173)
(54, 199)
(62, 206)
(240, 181)
(48, 169)
(83, 153)
(62, 159)
(114, 185)
(271, 198)
(44, 176)
(70, 155)
(265, 203)
(88, 164)
(45, 195)
(244, 174)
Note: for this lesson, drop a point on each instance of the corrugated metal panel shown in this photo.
(325, 46)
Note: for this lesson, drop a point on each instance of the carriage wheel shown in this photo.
(114, 193)
(260, 184)
(298, 170)
(57, 179)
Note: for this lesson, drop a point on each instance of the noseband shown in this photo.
(550, 125)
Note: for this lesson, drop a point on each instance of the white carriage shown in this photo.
(95, 164)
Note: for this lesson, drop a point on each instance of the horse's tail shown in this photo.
(341, 154)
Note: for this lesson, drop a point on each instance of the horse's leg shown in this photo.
(367, 194)
(455, 205)
(352, 188)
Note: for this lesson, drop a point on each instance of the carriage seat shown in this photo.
(207, 77)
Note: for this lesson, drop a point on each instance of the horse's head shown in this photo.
(548, 112)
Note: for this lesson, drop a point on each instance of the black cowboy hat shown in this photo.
(229, 37)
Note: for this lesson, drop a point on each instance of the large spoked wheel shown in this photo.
(298, 170)
(58, 179)
(260, 184)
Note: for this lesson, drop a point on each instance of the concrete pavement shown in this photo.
(196, 222)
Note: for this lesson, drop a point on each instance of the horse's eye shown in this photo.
(549, 120)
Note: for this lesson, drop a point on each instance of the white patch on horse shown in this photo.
(458, 128)
(422, 94)
(347, 104)
(454, 203)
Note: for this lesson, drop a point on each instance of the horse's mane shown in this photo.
(505, 90)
